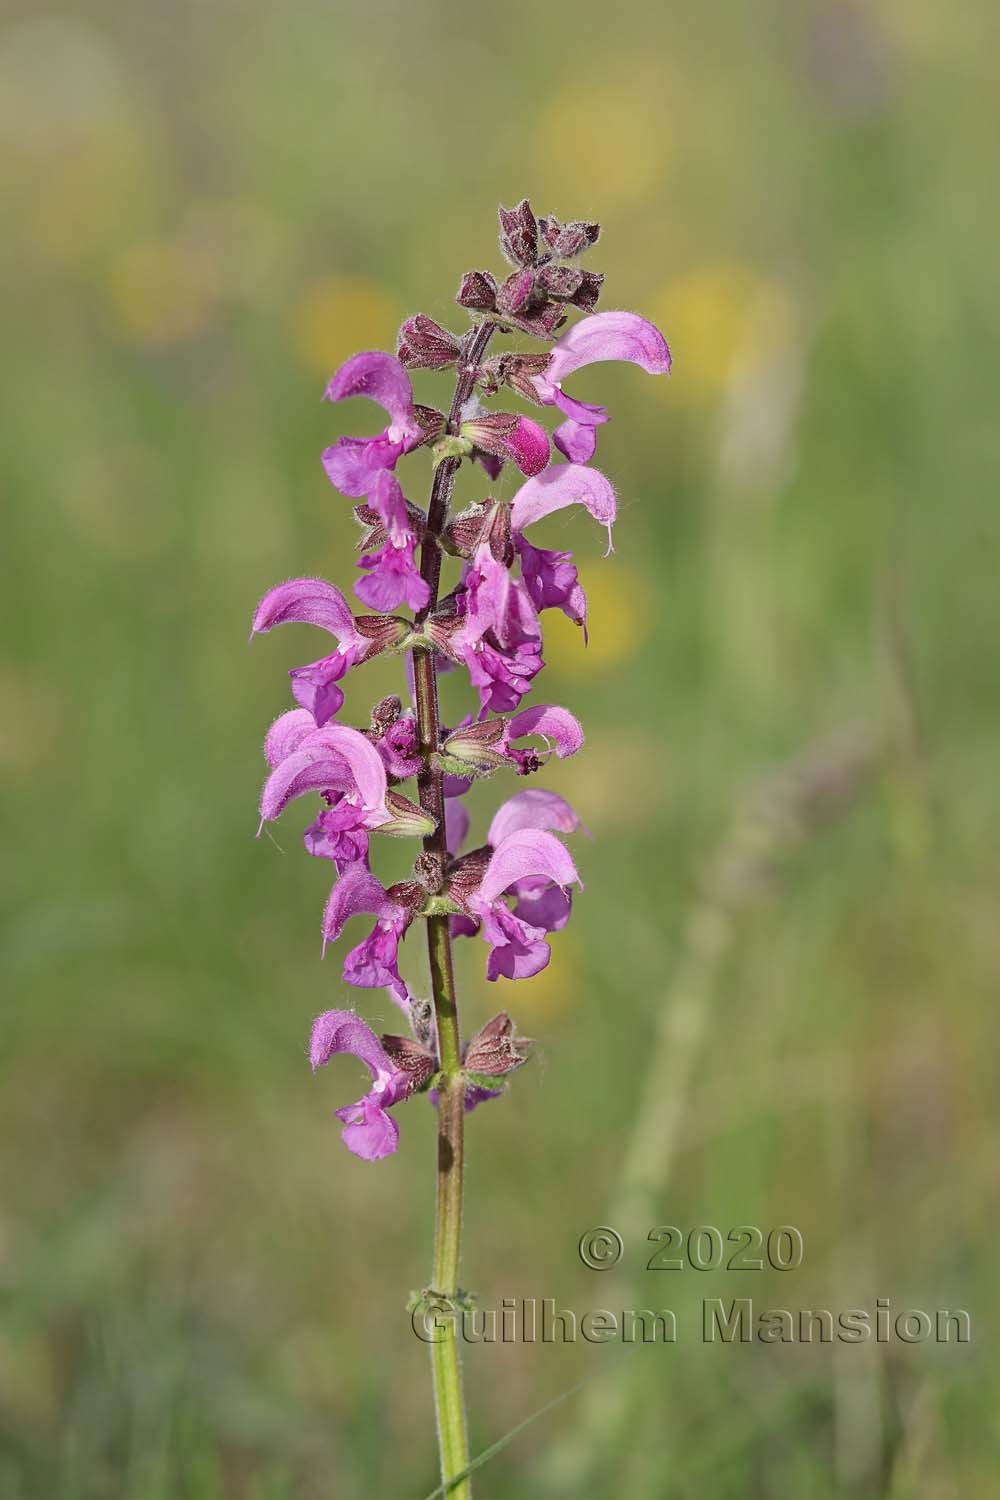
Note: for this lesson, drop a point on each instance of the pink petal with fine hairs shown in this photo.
(565, 484)
(355, 892)
(608, 335)
(523, 855)
(305, 771)
(533, 808)
(381, 378)
(309, 601)
(575, 441)
(366, 765)
(556, 724)
(342, 1031)
(286, 735)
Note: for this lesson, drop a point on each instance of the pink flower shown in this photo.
(605, 335)
(369, 1132)
(550, 577)
(373, 963)
(518, 948)
(313, 601)
(352, 464)
(336, 761)
(392, 573)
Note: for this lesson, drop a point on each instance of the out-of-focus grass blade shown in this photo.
(501, 1442)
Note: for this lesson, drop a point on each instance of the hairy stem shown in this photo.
(449, 1400)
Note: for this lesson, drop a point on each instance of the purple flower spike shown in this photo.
(393, 576)
(352, 464)
(518, 948)
(313, 601)
(369, 1132)
(606, 335)
(373, 963)
(565, 484)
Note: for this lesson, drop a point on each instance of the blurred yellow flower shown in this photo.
(160, 292)
(614, 593)
(81, 154)
(339, 316)
(549, 993)
(713, 317)
(600, 134)
(593, 781)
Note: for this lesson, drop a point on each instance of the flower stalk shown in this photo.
(513, 890)
(449, 1396)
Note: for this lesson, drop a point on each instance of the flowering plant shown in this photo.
(515, 888)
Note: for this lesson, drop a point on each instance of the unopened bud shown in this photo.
(478, 291)
(423, 344)
(462, 536)
(520, 371)
(407, 820)
(497, 1049)
(507, 436)
(415, 1061)
(516, 294)
(519, 234)
(567, 240)
(586, 295)
(385, 632)
(560, 281)
(476, 749)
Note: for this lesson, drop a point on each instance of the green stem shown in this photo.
(449, 1400)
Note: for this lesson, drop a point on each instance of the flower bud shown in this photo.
(385, 632)
(497, 1049)
(507, 436)
(475, 750)
(415, 1061)
(568, 240)
(431, 421)
(586, 295)
(423, 344)
(518, 234)
(560, 281)
(407, 820)
(516, 294)
(541, 323)
(462, 536)
(520, 370)
(478, 291)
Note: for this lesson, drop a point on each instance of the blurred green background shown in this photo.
(207, 207)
